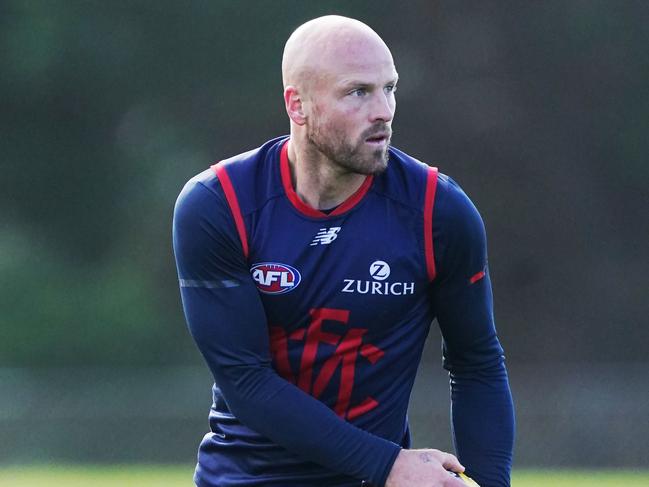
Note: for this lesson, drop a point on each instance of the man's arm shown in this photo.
(226, 319)
(482, 407)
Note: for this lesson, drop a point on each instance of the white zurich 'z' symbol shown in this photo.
(325, 236)
(379, 270)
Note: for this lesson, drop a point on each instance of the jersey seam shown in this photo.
(393, 199)
(263, 205)
(201, 183)
(222, 196)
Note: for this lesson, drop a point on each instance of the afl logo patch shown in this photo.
(275, 278)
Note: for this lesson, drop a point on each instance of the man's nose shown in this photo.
(382, 108)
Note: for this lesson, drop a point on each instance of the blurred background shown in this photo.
(540, 110)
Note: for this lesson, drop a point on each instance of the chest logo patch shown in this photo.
(325, 236)
(275, 278)
(379, 272)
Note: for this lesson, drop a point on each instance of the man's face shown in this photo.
(351, 106)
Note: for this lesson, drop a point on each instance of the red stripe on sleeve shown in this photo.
(475, 278)
(233, 203)
(429, 202)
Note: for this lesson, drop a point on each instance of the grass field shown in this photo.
(166, 476)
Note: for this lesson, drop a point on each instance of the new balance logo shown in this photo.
(325, 236)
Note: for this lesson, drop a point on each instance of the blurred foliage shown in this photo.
(540, 110)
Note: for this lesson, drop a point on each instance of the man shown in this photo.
(310, 271)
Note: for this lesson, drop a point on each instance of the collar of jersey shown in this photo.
(304, 208)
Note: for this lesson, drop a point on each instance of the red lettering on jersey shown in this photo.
(348, 348)
(315, 335)
(365, 406)
(298, 334)
(372, 353)
(345, 354)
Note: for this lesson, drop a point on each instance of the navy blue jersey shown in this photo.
(313, 323)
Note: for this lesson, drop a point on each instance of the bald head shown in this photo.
(325, 45)
(339, 83)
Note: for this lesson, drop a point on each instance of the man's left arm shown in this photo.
(481, 403)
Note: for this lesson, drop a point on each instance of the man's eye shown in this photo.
(390, 88)
(358, 92)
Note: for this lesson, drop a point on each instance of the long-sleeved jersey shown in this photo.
(313, 323)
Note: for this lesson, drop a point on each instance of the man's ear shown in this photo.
(294, 105)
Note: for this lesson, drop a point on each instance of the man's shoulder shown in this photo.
(247, 180)
(404, 180)
(405, 165)
(408, 167)
(454, 214)
(407, 178)
(243, 171)
(451, 198)
(255, 160)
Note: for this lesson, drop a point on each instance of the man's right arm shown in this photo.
(226, 319)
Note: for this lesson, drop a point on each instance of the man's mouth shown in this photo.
(378, 139)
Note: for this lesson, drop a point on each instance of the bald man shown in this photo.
(310, 271)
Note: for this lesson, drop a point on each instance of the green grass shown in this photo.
(169, 476)
(95, 476)
(579, 478)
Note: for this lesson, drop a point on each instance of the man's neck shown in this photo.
(319, 182)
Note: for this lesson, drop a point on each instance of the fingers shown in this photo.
(425, 467)
(454, 482)
(450, 462)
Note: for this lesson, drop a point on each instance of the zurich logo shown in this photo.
(380, 270)
(275, 278)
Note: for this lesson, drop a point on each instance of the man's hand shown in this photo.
(424, 468)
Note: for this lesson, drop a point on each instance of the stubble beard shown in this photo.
(349, 156)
